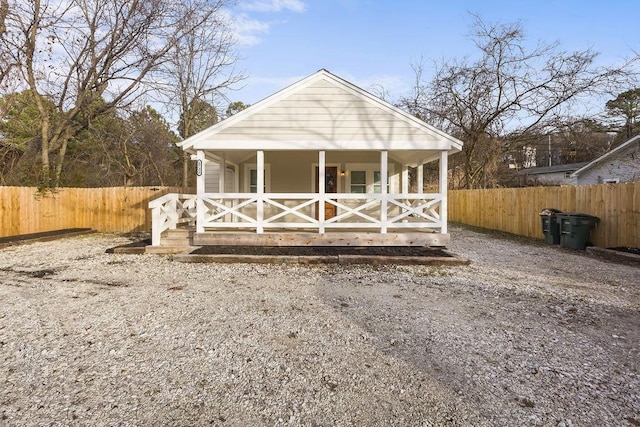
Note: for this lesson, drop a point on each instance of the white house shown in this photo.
(322, 162)
(622, 164)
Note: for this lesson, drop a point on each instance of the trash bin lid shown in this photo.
(578, 218)
(578, 215)
(549, 211)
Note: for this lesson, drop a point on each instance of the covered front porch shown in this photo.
(373, 201)
(319, 163)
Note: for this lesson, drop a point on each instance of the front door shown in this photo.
(330, 186)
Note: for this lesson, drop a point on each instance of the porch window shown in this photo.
(358, 182)
(253, 182)
(364, 178)
(251, 178)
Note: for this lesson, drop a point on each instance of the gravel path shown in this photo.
(525, 335)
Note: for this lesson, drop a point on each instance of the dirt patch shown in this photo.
(634, 251)
(42, 237)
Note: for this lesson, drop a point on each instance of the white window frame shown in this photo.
(248, 167)
(369, 169)
(611, 181)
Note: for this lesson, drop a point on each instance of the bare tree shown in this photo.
(509, 91)
(6, 65)
(200, 68)
(76, 52)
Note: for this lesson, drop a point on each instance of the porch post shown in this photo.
(420, 178)
(260, 191)
(236, 187)
(384, 158)
(443, 190)
(321, 190)
(200, 190)
(223, 172)
(405, 179)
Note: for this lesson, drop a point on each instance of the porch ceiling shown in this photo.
(411, 158)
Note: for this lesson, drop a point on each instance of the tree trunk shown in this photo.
(185, 170)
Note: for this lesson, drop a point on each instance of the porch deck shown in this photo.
(346, 237)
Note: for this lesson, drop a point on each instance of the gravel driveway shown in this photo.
(525, 335)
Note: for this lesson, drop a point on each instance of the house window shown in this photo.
(568, 174)
(358, 182)
(253, 181)
(251, 178)
(611, 181)
(364, 178)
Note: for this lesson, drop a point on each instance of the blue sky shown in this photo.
(372, 43)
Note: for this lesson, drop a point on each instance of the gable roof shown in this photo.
(322, 112)
(607, 155)
(570, 167)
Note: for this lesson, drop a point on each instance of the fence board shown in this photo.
(517, 210)
(117, 209)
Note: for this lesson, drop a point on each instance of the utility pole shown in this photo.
(549, 149)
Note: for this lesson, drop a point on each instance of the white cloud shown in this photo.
(248, 31)
(273, 5)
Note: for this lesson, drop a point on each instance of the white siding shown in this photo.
(212, 176)
(324, 112)
(621, 167)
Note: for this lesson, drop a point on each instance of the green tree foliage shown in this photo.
(112, 150)
(198, 116)
(133, 151)
(235, 107)
(19, 124)
(20, 137)
(625, 108)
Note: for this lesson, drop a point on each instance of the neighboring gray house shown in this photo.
(550, 175)
(622, 164)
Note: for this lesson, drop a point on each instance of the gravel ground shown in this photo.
(525, 335)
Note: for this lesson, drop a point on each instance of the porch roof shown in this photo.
(325, 112)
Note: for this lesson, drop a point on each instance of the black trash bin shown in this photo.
(575, 228)
(550, 226)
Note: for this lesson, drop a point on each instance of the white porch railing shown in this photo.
(297, 211)
(170, 210)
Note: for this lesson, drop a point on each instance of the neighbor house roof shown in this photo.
(607, 155)
(325, 112)
(551, 169)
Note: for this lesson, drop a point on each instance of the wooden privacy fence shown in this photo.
(516, 210)
(117, 209)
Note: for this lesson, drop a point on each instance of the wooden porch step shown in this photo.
(177, 238)
(173, 242)
(166, 250)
